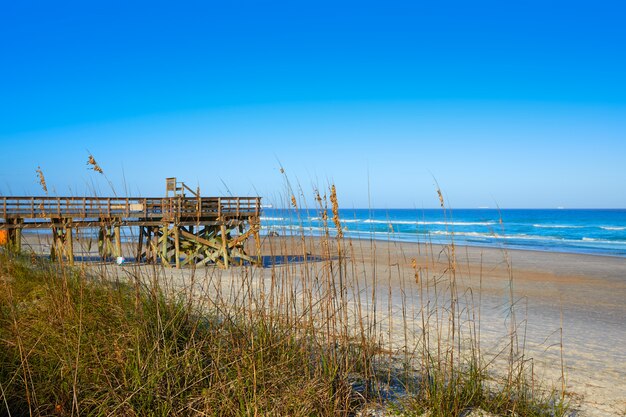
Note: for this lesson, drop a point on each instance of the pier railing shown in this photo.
(166, 209)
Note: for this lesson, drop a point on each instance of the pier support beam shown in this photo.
(118, 239)
(255, 227)
(139, 245)
(147, 247)
(164, 237)
(14, 235)
(153, 239)
(104, 242)
(57, 250)
(224, 245)
(69, 244)
(18, 239)
(62, 241)
(177, 245)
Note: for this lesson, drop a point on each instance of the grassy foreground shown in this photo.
(72, 343)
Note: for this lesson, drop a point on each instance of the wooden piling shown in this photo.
(257, 243)
(14, 235)
(54, 248)
(138, 254)
(164, 235)
(177, 245)
(101, 242)
(118, 239)
(224, 245)
(154, 244)
(104, 242)
(70, 244)
(18, 240)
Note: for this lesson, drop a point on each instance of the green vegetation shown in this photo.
(70, 344)
(298, 339)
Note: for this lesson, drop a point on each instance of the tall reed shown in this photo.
(329, 326)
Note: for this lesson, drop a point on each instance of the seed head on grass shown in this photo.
(42, 179)
(335, 203)
(321, 202)
(441, 201)
(414, 266)
(94, 165)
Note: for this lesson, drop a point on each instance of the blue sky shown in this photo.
(519, 104)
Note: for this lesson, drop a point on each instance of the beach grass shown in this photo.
(75, 345)
(320, 336)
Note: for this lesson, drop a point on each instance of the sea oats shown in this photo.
(335, 204)
(42, 179)
(94, 165)
(441, 202)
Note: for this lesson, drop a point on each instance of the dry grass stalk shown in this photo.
(42, 179)
(335, 208)
(283, 340)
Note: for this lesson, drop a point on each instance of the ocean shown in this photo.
(588, 231)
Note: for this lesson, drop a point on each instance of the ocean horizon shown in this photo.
(584, 231)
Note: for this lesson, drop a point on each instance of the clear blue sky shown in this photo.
(520, 104)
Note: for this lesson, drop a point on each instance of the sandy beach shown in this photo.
(585, 293)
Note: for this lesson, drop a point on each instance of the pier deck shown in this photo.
(176, 229)
(39, 212)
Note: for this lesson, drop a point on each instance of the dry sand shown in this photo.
(586, 293)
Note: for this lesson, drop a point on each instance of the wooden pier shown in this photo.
(175, 230)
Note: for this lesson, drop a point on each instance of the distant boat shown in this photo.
(267, 206)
